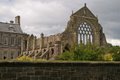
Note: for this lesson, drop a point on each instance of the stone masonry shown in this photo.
(60, 71)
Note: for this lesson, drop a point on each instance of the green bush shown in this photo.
(84, 53)
(92, 53)
(24, 58)
(116, 56)
(66, 56)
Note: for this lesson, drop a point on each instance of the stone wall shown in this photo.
(60, 71)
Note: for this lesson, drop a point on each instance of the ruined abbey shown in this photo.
(82, 28)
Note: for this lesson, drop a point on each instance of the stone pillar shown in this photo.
(27, 44)
(34, 38)
(42, 41)
(88, 39)
(22, 46)
(57, 49)
(83, 38)
(80, 39)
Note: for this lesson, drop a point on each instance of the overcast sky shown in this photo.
(51, 16)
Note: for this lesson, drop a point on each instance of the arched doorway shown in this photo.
(85, 33)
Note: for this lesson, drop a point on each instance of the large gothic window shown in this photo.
(85, 34)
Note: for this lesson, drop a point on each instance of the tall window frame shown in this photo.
(85, 33)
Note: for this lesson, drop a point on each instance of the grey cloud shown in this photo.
(47, 30)
(108, 12)
(51, 16)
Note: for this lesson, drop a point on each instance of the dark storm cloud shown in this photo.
(51, 16)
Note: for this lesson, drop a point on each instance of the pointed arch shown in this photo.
(85, 33)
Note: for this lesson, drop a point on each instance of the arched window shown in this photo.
(85, 33)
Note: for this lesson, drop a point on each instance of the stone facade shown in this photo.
(82, 28)
(11, 37)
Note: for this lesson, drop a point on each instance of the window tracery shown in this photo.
(85, 33)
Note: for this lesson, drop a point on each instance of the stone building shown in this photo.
(82, 28)
(10, 39)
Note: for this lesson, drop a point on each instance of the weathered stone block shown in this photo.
(24, 78)
(8, 75)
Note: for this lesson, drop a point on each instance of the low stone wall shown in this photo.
(60, 71)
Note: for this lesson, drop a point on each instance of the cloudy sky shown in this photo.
(51, 16)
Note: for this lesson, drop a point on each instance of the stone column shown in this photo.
(57, 49)
(42, 41)
(33, 43)
(27, 44)
(83, 38)
(22, 46)
(80, 39)
(89, 39)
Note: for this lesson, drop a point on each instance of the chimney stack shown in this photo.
(11, 22)
(17, 20)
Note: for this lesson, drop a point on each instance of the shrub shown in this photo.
(86, 52)
(116, 56)
(66, 56)
(92, 53)
(24, 58)
(108, 57)
(80, 52)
